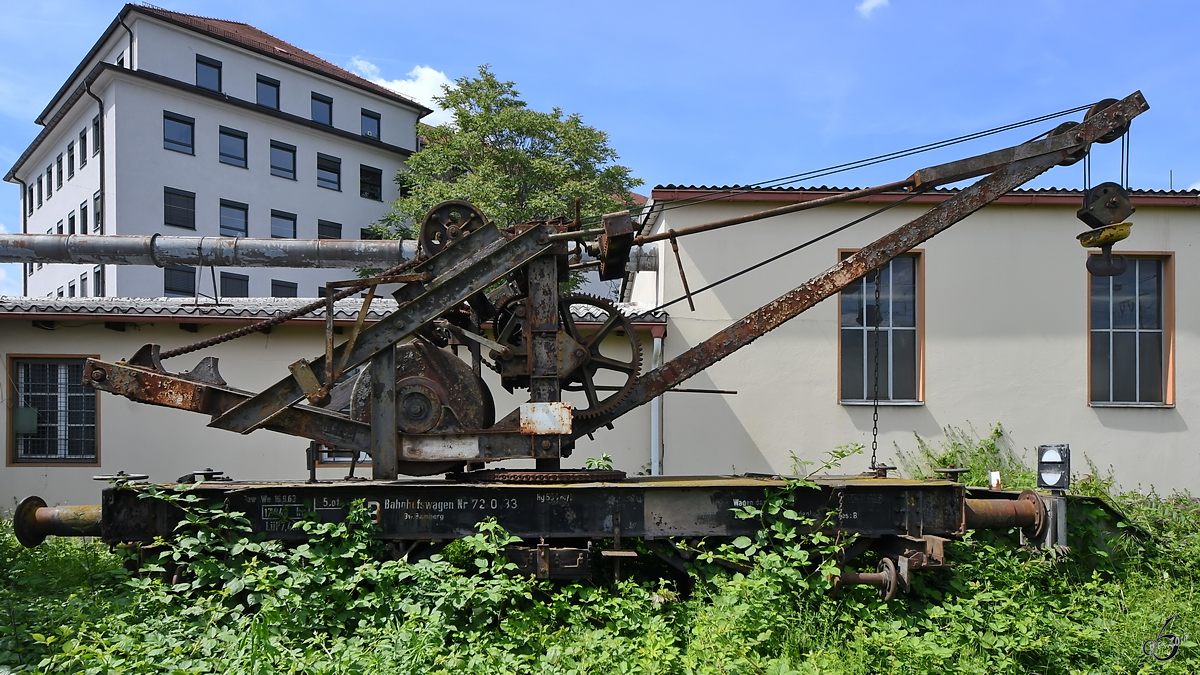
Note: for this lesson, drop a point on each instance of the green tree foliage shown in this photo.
(514, 163)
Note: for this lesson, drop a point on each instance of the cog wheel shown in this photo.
(583, 378)
(448, 222)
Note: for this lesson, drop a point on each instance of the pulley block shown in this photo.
(448, 222)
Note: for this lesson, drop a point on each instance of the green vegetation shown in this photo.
(966, 449)
(514, 163)
(221, 601)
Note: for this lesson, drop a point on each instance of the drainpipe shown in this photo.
(656, 409)
(100, 130)
(128, 30)
(25, 204)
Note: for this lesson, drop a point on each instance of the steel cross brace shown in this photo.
(482, 266)
(1033, 159)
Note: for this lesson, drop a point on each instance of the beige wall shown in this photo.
(166, 443)
(1005, 341)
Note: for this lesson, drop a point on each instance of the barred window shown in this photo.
(892, 325)
(1130, 335)
(54, 419)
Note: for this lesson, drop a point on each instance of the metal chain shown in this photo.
(279, 318)
(875, 403)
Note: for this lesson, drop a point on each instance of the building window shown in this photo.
(179, 208)
(59, 229)
(1130, 335)
(178, 133)
(282, 289)
(83, 148)
(232, 147)
(49, 181)
(283, 160)
(235, 285)
(98, 282)
(368, 233)
(97, 214)
(329, 172)
(268, 92)
(179, 282)
(95, 134)
(58, 165)
(208, 73)
(83, 286)
(897, 337)
(370, 124)
(29, 201)
(39, 192)
(283, 225)
(328, 230)
(322, 109)
(83, 218)
(54, 416)
(235, 219)
(70, 160)
(71, 223)
(70, 289)
(60, 291)
(370, 182)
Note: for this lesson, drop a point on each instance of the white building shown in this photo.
(994, 320)
(177, 124)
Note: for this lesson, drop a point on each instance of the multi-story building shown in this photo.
(178, 124)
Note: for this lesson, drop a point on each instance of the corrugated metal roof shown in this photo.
(236, 308)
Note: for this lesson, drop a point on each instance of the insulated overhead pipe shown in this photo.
(162, 250)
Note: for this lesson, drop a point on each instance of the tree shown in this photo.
(514, 163)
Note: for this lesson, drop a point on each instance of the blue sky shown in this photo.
(719, 93)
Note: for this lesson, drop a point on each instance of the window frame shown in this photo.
(58, 172)
(288, 148)
(363, 171)
(283, 216)
(96, 135)
(229, 203)
(919, 255)
(328, 223)
(39, 191)
(233, 160)
(83, 146)
(49, 182)
(189, 122)
(176, 192)
(293, 286)
(210, 62)
(262, 80)
(83, 285)
(326, 100)
(372, 115)
(11, 458)
(72, 223)
(97, 212)
(98, 281)
(1168, 333)
(233, 277)
(70, 160)
(322, 157)
(168, 292)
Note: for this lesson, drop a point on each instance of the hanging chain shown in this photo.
(875, 402)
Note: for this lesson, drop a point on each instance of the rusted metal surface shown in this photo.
(33, 521)
(482, 267)
(551, 417)
(866, 260)
(160, 250)
(1026, 512)
(687, 292)
(175, 391)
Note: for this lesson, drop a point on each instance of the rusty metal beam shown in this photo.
(869, 258)
(161, 250)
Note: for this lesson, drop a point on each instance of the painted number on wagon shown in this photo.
(493, 504)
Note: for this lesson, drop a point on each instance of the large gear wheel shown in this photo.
(448, 222)
(583, 378)
(509, 326)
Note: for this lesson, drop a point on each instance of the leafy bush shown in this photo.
(966, 449)
(218, 600)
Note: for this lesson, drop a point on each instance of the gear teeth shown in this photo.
(630, 334)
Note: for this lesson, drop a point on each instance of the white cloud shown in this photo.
(867, 7)
(423, 84)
